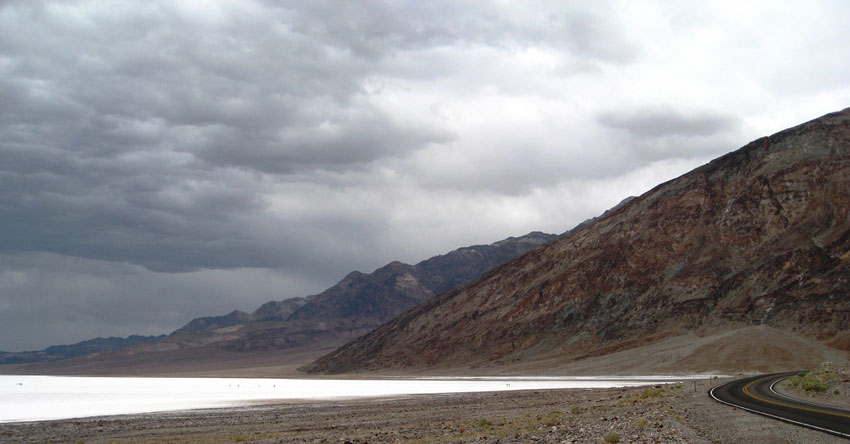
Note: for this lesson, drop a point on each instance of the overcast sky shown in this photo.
(164, 160)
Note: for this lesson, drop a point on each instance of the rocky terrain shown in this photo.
(758, 237)
(592, 220)
(302, 327)
(669, 414)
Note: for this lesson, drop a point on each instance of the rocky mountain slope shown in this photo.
(760, 236)
(270, 311)
(354, 306)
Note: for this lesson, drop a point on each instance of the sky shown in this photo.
(165, 160)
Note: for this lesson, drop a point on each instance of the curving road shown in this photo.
(756, 394)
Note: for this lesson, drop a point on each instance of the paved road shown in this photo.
(756, 394)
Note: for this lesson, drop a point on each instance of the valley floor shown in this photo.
(670, 414)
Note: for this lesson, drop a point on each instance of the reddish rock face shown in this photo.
(758, 236)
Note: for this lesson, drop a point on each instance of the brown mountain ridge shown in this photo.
(743, 262)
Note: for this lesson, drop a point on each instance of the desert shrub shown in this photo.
(612, 437)
(483, 423)
(809, 382)
(641, 423)
(813, 385)
(551, 419)
(652, 392)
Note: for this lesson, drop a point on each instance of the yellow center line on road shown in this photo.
(808, 409)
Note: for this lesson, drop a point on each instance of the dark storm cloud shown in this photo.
(158, 220)
(122, 127)
(665, 122)
(51, 299)
(254, 75)
(377, 29)
(657, 133)
(365, 138)
(120, 131)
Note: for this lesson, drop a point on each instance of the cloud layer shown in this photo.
(166, 160)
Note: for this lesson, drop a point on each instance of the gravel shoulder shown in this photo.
(680, 413)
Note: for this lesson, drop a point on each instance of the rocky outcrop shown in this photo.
(441, 273)
(270, 311)
(209, 323)
(277, 310)
(367, 298)
(592, 220)
(758, 236)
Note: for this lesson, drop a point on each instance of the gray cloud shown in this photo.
(122, 132)
(344, 144)
(49, 298)
(379, 29)
(665, 122)
(656, 133)
(122, 127)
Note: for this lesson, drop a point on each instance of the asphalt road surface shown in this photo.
(756, 394)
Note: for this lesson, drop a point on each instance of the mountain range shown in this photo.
(741, 263)
(313, 324)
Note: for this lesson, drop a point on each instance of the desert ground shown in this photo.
(679, 413)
